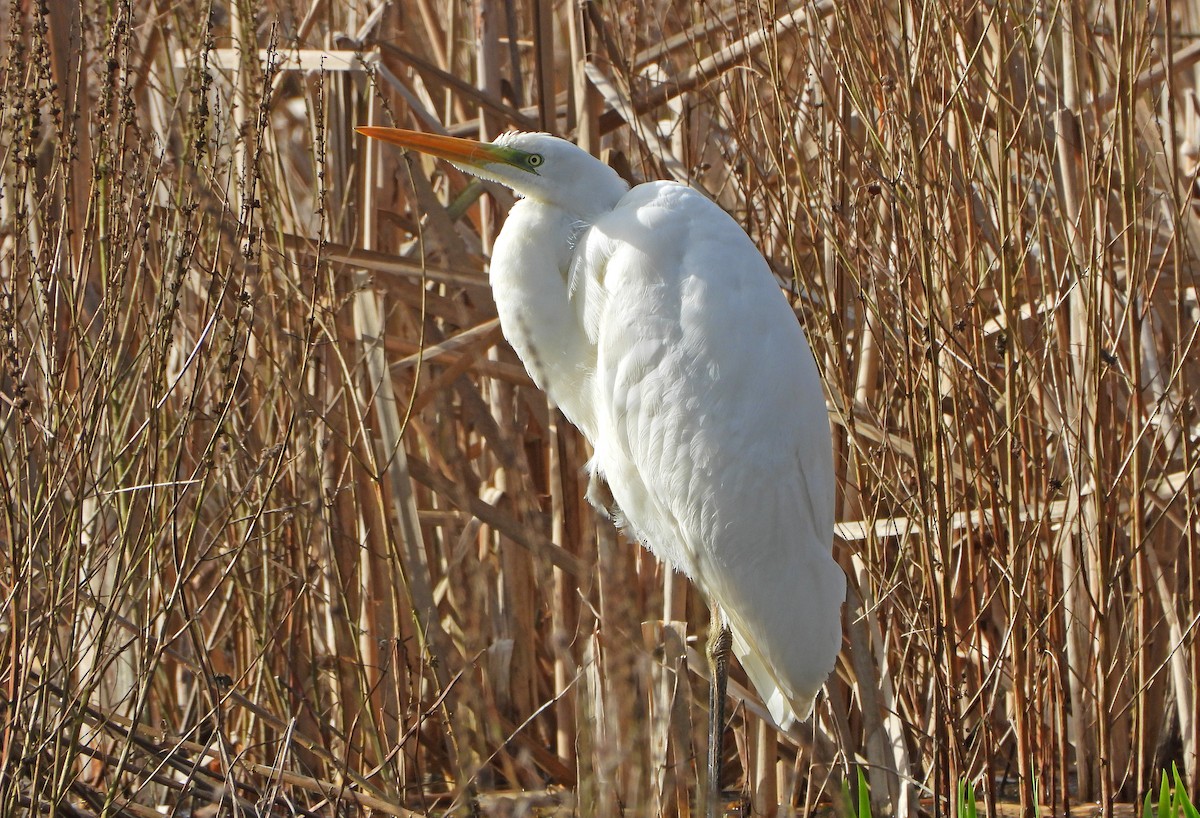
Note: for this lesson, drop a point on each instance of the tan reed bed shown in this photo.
(287, 530)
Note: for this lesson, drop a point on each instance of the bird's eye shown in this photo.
(535, 160)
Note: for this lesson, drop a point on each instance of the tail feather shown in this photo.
(785, 706)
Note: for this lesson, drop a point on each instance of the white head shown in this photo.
(537, 166)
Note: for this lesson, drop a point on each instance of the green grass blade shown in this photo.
(864, 796)
(1181, 801)
(967, 807)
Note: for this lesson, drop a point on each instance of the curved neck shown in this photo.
(531, 260)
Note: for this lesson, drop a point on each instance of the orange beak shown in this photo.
(450, 148)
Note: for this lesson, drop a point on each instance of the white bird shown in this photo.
(653, 322)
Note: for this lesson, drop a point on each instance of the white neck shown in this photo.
(531, 260)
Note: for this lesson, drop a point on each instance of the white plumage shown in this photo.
(651, 319)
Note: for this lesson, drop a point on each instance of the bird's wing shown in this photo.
(711, 427)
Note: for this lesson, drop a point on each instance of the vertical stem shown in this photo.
(588, 102)
(932, 477)
(1128, 164)
(543, 20)
(1187, 695)
(1017, 555)
(561, 607)
(1080, 543)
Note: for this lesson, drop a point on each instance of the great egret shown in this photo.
(654, 323)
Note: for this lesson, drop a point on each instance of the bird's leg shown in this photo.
(719, 639)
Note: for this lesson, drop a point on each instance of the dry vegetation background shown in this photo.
(286, 530)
